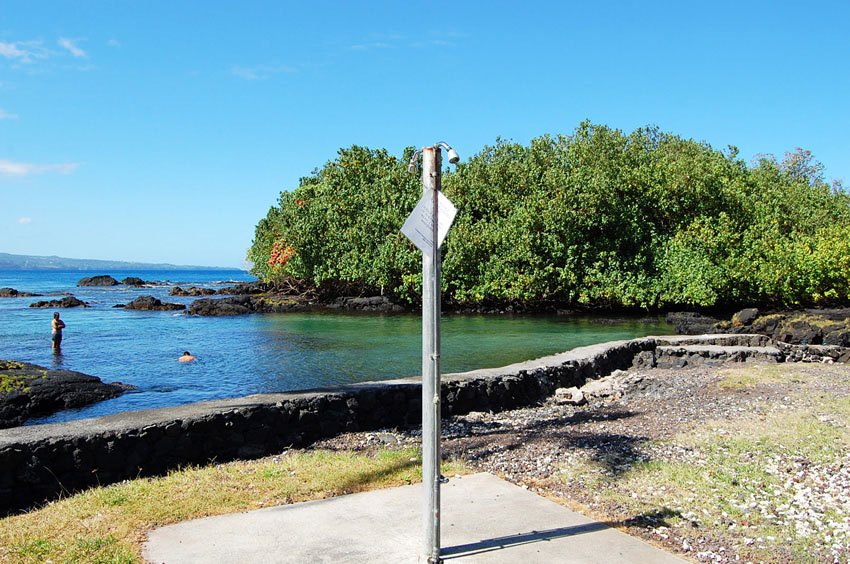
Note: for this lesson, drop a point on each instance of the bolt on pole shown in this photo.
(431, 184)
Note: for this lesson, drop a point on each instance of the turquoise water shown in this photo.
(259, 353)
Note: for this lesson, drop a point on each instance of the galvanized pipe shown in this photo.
(431, 169)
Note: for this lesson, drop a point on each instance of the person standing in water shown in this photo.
(56, 329)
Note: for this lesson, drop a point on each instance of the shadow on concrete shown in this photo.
(645, 520)
(499, 543)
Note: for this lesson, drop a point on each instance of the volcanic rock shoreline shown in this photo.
(269, 303)
(29, 390)
(815, 327)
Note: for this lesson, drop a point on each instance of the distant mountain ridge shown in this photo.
(28, 262)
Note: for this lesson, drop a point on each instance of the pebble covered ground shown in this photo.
(694, 460)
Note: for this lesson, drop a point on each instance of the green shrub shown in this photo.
(598, 217)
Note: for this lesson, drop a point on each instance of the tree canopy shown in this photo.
(597, 218)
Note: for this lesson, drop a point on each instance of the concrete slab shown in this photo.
(484, 520)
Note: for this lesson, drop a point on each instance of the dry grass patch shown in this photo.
(109, 524)
(772, 484)
(762, 374)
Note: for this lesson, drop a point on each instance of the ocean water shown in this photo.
(251, 354)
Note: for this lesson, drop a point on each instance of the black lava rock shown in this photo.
(33, 391)
(191, 291)
(150, 303)
(102, 280)
(67, 301)
(12, 293)
(133, 281)
(690, 323)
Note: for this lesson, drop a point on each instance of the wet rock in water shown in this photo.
(28, 390)
(241, 305)
(223, 306)
(373, 303)
(191, 291)
(67, 301)
(12, 293)
(150, 303)
(102, 280)
(133, 281)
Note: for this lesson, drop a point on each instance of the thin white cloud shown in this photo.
(113, 43)
(24, 220)
(371, 45)
(71, 47)
(432, 43)
(11, 51)
(11, 168)
(378, 41)
(6, 115)
(261, 72)
(439, 39)
(23, 51)
(245, 72)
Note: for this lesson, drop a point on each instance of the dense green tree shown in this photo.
(598, 217)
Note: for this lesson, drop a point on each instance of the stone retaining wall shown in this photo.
(38, 463)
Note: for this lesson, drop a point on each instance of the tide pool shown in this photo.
(259, 353)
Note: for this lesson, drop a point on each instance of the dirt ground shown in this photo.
(737, 462)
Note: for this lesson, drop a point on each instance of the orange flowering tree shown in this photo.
(279, 256)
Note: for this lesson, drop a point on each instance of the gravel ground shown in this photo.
(582, 455)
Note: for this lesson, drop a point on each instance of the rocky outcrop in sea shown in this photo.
(28, 390)
(67, 301)
(240, 305)
(133, 281)
(150, 303)
(102, 280)
(246, 288)
(192, 291)
(12, 293)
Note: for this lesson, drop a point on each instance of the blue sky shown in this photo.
(163, 131)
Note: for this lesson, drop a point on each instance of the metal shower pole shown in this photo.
(431, 180)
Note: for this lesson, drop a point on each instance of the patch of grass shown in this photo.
(11, 383)
(756, 483)
(109, 524)
(10, 365)
(751, 376)
(37, 548)
(816, 320)
(273, 301)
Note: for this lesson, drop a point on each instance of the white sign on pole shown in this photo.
(419, 225)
